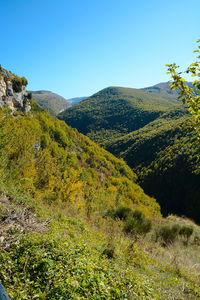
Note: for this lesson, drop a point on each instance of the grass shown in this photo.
(91, 258)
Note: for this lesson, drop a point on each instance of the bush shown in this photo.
(29, 96)
(137, 223)
(168, 234)
(186, 232)
(18, 82)
(121, 213)
(24, 81)
(138, 215)
(109, 251)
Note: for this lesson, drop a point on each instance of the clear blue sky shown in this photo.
(77, 47)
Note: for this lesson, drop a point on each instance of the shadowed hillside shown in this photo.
(148, 129)
(74, 224)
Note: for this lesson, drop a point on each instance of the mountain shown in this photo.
(74, 224)
(115, 111)
(52, 102)
(163, 90)
(48, 158)
(73, 101)
(164, 156)
(143, 127)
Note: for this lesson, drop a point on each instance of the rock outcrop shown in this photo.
(13, 91)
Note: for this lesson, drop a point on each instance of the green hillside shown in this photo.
(164, 156)
(143, 127)
(47, 158)
(163, 90)
(115, 111)
(73, 222)
(51, 102)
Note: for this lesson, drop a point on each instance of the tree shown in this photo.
(190, 94)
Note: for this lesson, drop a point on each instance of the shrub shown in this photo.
(186, 232)
(24, 81)
(168, 234)
(137, 223)
(17, 84)
(109, 251)
(121, 213)
(29, 96)
(138, 215)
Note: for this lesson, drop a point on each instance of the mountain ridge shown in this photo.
(50, 101)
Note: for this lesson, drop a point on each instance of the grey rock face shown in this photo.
(14, 99)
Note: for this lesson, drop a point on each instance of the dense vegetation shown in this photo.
(48, 159)
(74, 225)
(150, 133)
(18, 83)
(164, 156)
(50, 101)
(114, 112)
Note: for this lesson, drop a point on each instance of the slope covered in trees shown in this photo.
(47, 158)
(164, 156)
(69, 224)
(114, 112)
(75, 225)
(52, 102)
(150, 133)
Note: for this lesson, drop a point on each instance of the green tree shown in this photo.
(190, 94)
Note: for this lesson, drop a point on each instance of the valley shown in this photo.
(74, 222)
(152, 131)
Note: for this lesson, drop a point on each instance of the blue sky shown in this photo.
(77, 47)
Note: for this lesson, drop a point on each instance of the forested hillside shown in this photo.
(75, 225)
(47, 158)
(150, 133)
(164, 90)
(114, 112)
(164, 156)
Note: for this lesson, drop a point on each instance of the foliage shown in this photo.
(72, 260)
(137, 223)
(18, 82)
(45, 157)
(134, 221)
(164, 156)
(186, 232)
(190, 95)
(152, 131)
(168, 234)
(114, 112)
(121, 213)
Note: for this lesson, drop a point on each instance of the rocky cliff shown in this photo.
(13, 91)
